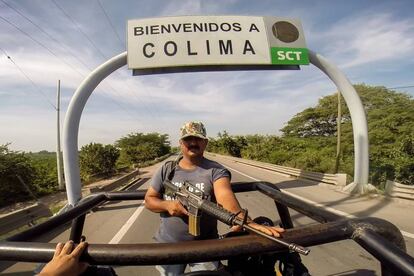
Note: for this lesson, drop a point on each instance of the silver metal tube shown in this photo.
(359, 121)
(72, 120)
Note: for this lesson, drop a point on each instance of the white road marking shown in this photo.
(407, 234)
(124, 229)
(251, 177)
(341, 213)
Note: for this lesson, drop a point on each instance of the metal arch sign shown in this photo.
(188, 43)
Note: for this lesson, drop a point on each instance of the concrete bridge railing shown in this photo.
(338, 179)
(398, 190)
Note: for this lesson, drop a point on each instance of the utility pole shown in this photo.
(338, 134)
(58, 151)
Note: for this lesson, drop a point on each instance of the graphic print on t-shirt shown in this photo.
(200, 189)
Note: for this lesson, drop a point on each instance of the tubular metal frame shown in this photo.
(379, 237)
(81, 95)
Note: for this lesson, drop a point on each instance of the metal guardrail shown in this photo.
(398, 190)
(26, 216)
(338, 179)
(116, 183)
(29, 215)
(124, 179)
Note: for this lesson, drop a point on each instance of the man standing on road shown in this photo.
(210, 177)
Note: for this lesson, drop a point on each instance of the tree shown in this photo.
(13, 164)
(390, 115)
(308, 141)
(315, 121)
(96, 158)
(46, 180)
(226, 144)
(138, 147)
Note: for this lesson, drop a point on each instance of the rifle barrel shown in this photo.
(292, 246)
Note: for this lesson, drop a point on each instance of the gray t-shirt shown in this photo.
(174, 229)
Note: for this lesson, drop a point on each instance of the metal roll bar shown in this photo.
(379, 237)
(197, 251)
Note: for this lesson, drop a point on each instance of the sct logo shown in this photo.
(289, 55)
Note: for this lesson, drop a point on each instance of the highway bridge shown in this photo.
(129, 222)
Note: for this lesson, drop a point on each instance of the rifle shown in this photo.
(195, 201)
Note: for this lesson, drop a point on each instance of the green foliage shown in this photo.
(136, 148)
(315, 121)
(96, 159)
(390, 123)
(12, 164)
(38, 173)
(390, 118)
(309, 138)
(226, 144)
(46, 180)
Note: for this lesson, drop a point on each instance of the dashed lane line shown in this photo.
(124, 229)
(335, 211)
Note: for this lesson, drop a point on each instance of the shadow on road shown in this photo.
(296, 183)
(380, 203)
(138, 184)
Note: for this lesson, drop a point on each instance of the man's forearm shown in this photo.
(156, 205)
(172, 207)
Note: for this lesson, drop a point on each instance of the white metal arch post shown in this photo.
(78, 102)
(359, 123)
(72, 120)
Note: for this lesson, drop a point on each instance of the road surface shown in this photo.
(130, 222)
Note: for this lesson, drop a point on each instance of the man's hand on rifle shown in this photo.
(270, 230)
(175, 208)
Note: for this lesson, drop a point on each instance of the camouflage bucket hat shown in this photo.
(195, 129)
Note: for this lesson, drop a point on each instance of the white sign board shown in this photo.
(214, 40)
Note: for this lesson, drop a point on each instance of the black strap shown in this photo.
(171, 174)
(169, 169)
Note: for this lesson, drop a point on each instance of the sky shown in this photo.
(372, 42)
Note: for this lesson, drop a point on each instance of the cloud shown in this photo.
(27, 128)
(240, 102)
(179, 7)
(367, 38)
(37, 67)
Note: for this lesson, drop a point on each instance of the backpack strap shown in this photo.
(169, 168)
